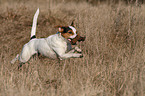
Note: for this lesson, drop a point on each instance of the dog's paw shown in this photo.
(81, 56)
(60, 58)
(78, 50)
(77, 55)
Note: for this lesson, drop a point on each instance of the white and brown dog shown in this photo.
(54, 46)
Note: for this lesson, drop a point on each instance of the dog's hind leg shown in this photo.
(14, 60)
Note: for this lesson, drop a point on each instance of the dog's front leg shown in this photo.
(70, 54)
(78, 49)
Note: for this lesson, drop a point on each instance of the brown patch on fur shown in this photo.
(66, 32)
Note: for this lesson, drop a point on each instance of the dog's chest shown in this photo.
(68, 47)
(55, 41)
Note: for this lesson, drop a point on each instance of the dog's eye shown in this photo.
(70, 32)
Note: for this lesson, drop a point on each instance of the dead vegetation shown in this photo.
(113, 62)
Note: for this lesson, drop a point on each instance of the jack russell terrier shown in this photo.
(54, 46)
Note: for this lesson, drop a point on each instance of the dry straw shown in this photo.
(113, 62)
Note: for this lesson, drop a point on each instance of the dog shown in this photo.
(54, 46)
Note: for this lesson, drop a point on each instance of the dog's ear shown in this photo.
(60, 28)
(72, 24)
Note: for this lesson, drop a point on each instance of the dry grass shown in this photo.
(113, 62)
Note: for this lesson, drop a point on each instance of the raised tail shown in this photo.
(33, 30)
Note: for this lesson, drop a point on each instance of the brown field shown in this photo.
(113, 62)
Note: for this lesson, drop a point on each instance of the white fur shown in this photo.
(33, 31)
(54, 46)
(75, 32)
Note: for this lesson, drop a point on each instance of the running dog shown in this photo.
(54, 46)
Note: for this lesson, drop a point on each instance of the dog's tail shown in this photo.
(33, 30)
(14, 60)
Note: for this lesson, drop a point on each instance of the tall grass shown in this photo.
(113, 62)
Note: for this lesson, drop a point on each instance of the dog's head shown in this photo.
(70, 33)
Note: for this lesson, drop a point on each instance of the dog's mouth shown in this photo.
(69, 40)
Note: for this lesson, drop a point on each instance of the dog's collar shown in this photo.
(57, 32)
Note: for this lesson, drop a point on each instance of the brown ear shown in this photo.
(72, 24)
(60, 29)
